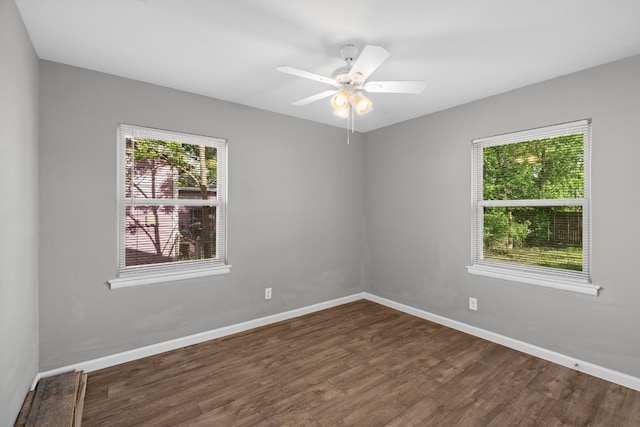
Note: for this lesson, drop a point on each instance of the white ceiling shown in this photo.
(464, 49)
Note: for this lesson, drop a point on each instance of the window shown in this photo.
(531, 207)
(172, 206)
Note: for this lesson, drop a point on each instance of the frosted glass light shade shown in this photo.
(361, 104)
(340, 99)
(341, 112)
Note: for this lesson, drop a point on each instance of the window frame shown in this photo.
(535, 275)
(176, 270)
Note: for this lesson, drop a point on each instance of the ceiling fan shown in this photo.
(349, 81)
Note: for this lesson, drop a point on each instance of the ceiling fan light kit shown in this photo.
(347, 99)
(351, 80)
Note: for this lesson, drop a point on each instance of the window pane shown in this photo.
(550, 168)
(541, 236)
(160, 234)
(197, 232)
(163, 169)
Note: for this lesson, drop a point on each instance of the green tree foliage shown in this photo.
(502, 230)
(185, 158)
(551, 168)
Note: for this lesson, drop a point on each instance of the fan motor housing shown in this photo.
(341, 75)
(349, 53)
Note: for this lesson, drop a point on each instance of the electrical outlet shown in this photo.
(473, 304)
(267, 293)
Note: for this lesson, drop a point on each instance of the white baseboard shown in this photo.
(552, 356)
(150, 350)
(138, 353)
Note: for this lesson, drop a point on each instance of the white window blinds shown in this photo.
(171, 206)
(532, 205)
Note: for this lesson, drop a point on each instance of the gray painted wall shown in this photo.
(19, 213)
(297, 203)
(296, 209)
(418, 214)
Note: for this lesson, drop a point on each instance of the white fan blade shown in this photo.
(416, 86)
(307, 75)
(368, 61)
(316, 97)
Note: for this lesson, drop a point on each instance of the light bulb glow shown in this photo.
(361, 104)
(340, 99)
(341, 112)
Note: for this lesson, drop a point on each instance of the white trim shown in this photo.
(564, 284)
(556, 278)
(533, 350)
(148, 279)
(560, 129)
(150, 350)
(525, 203)
(158, 273)
(175, 202)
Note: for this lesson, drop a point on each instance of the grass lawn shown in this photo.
(567, 257)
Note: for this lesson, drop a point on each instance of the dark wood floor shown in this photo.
(360, 364)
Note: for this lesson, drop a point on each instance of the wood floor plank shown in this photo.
(526, 409)
(24, 411)
(623, 402)
(295, 418)
(306, 400)
(424, 412)
(335, 411)
(356, 364)
(79, 405)
(55, 400)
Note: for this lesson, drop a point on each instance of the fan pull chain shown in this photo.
(353, 121)
(347, 131)
(348, 120)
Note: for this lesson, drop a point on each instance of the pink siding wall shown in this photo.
(162, 234)
(151, 231)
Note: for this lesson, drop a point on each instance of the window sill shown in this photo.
(539, 280)
(149, 279)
